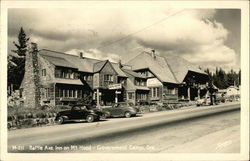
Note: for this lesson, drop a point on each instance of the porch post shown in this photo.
(188, 93)
(97, 98)
(116, 98)
(198, 93)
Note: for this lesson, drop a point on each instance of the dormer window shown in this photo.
(109, 78)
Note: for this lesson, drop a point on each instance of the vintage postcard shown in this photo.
(124, 80)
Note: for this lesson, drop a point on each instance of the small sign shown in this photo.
(115, 86)
(153, 82)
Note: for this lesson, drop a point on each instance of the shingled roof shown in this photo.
(168, 68)
(156, 65)
(59, 61)
(84, 64)
(180, 66)
(134, 74)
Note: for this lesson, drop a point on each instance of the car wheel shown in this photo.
(127, 114)
(60, 120)
(90, 118)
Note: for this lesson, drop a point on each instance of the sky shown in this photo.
(209, 38)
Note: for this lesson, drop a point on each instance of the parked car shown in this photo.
(78, 113)
(121, 109)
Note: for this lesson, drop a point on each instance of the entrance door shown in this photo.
(193, 93)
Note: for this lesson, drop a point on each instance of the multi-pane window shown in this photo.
(171, 91)
(66, 73)
(140, 82)
(88, 77)
(155, 92)
(69, 93)
(141, 96)
(46, 92)
(43, 72)
(130, 95)
(109, 78)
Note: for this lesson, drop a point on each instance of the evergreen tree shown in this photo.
(16, 61)
(222, 79)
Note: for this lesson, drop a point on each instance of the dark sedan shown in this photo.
(78, 113)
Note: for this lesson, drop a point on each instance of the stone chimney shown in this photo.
(81, 55)
(120, 63)
(31, 91)
(153, 53)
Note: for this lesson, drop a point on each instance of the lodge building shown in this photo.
(56, 78)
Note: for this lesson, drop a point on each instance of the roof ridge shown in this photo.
(70, 54)
(59, 52)
(170, 68)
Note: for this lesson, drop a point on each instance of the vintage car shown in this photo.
(121, 109)
(79, 113)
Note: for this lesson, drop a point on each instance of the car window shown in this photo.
(76, 108)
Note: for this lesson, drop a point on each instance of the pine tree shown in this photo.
(16, 61)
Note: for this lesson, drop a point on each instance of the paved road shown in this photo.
(154, 132)
(214, 134)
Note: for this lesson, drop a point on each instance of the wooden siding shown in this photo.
(107, 70)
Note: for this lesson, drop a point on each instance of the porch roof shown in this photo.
(68, 81)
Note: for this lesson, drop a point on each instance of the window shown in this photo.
(171, 91)
(71, 74)
(75, 95)
(57, 73)
(155, 92)
(88, 77)
(70, 93)
(66, 73)
(43, 72)
(46, 92)
(76, 108)
(76, 75)
(109, 78)
(141, 96)
(130, 95)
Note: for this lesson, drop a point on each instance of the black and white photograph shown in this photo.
(112, 80)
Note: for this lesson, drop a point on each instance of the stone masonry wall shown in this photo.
(31, 90)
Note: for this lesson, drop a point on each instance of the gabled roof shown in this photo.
(59, 61)
(180, 66)
(157, 66)
(167, 68)
(84, 64)
(134, 74)
(118, 70)
(99, 65)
